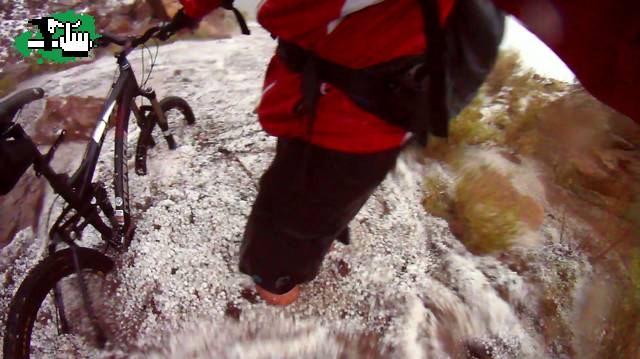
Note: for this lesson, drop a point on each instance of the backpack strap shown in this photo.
(417, 93)
(432, 116)
(228, 4)
(369, 87)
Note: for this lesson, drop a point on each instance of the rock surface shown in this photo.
(404, 288)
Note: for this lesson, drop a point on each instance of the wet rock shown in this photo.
(489, 348)
(8, 279)
(77, 115)
(214, 25)
(250, 295)
(511, 156)
(154, 307)
(478, 351)
(233, 311)
(21, 207)
(343, 268)
(369, 345)
(125, 19)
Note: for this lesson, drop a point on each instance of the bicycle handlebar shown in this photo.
(11, 106)
(130, 42)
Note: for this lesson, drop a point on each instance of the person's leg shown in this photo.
(307, 197)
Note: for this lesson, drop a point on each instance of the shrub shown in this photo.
(468, 128)
(507, 64)
(623, 325)
(491, 211)
(437, 200)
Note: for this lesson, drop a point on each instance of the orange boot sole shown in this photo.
(279, 299)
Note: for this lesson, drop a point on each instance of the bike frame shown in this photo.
(87, 199)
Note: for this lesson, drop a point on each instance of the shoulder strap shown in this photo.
(434, 107)
(228, 4)
(426, 112)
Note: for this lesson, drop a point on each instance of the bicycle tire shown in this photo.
(40, 281)
(121, 174)
(166, 104)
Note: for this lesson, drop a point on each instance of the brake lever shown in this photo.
(164, 34)
(101, 42)
(146, 36)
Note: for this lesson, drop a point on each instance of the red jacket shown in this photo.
(598, 39)
(599, 46)
(355, 33)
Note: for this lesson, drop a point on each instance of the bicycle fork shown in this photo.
(157, 115)
(64, 327)
(147, 117)
(101, 337)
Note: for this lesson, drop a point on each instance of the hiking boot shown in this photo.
(278, 299)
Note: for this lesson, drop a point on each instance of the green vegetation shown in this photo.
(559, 282)
(469, 129)
(623, 324)
(588, 158)
(488, 210)
(492, 213)
(436, 200)
(506, 66)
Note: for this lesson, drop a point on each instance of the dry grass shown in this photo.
(507, 64)
(470, 129)
(437, 200)
(590, 158)
(623, 324)
(492, 212)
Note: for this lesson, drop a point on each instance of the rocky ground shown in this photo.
(124, 17)
(407, 287)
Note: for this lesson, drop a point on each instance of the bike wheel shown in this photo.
(177, 113)
(33, 322)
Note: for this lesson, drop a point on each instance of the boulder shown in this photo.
(21, 207)
(76, 114)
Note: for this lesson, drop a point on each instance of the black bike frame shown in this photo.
(78, 191)
(83, 196)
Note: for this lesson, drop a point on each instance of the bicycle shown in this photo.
(87, 204)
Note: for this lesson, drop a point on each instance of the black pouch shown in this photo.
(470, 41)
(16, 156)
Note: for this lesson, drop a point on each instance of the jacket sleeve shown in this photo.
(295, 19)
(197, 9)
(597, 39)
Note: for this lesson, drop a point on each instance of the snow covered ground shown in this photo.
(405, 287)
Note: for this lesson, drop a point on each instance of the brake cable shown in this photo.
(143, 81)
(153, 62)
